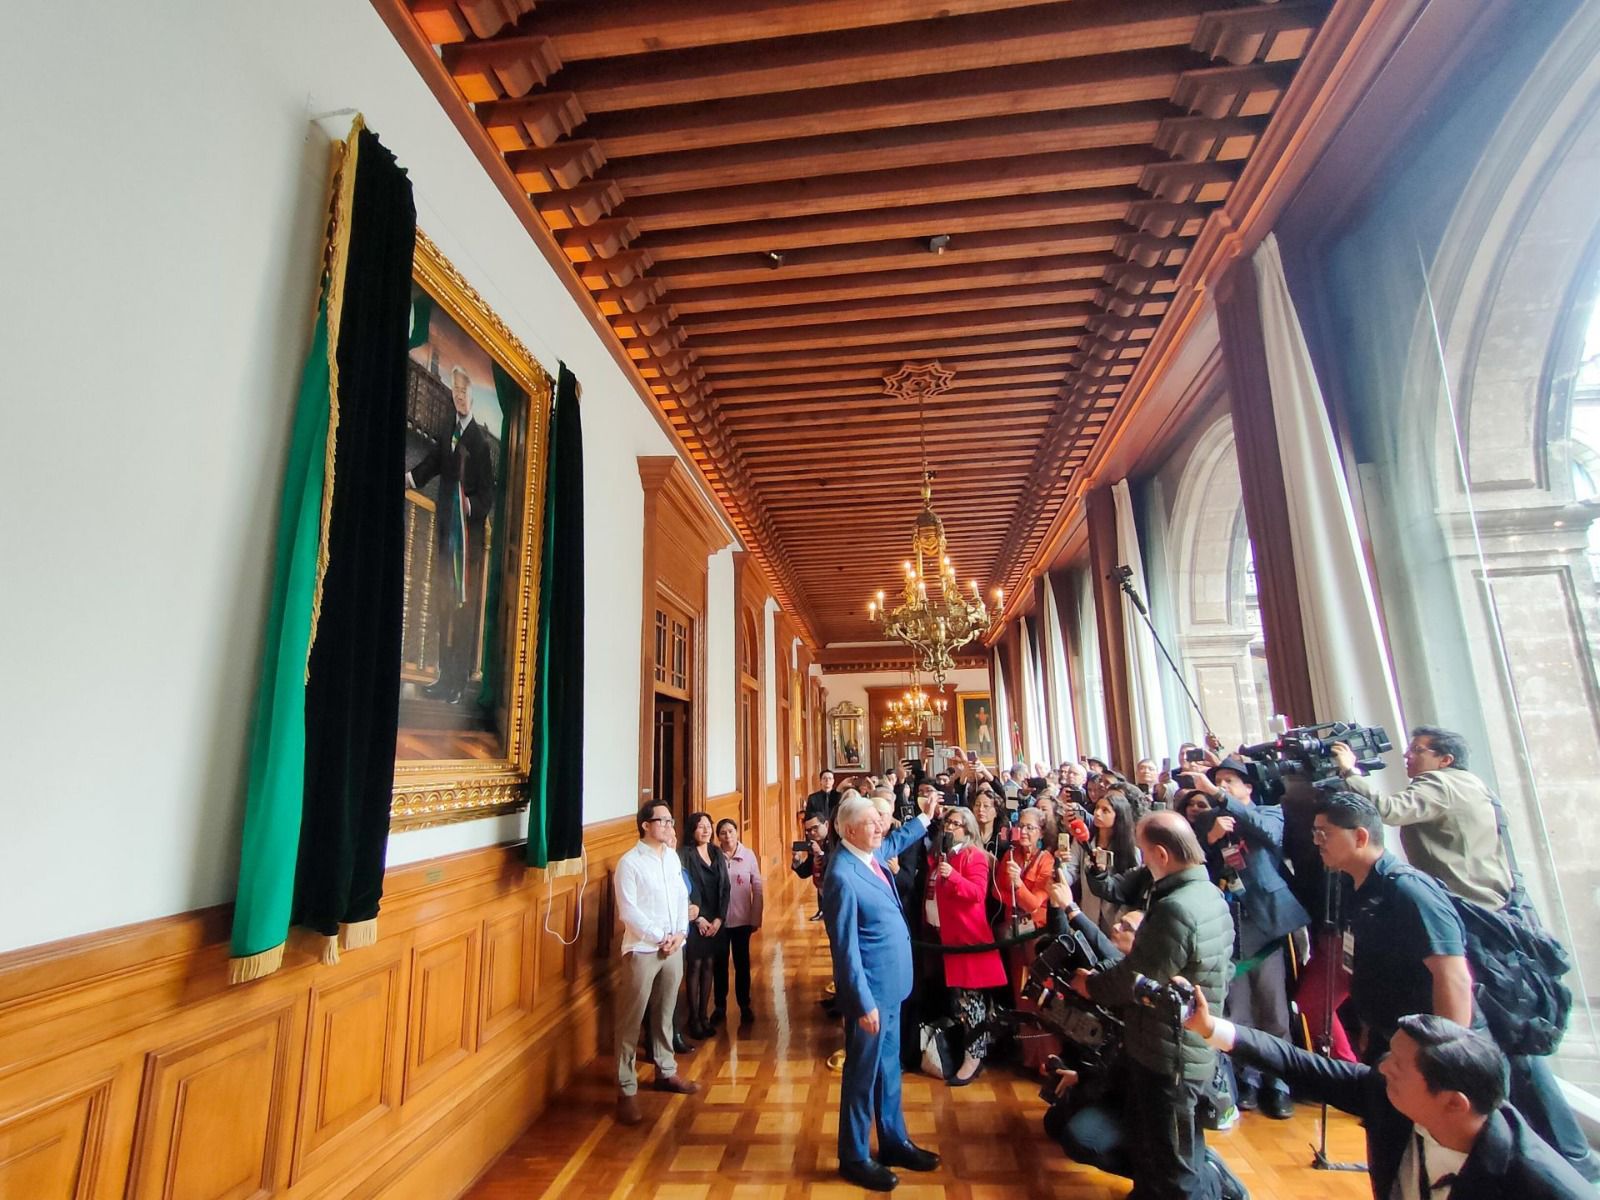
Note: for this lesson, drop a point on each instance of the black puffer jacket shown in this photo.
(1186, 931)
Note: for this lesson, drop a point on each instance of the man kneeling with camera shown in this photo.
(1187, 932)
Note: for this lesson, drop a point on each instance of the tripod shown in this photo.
(1124, 578)
(1333, 896)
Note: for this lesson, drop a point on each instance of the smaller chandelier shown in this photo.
(913, 713)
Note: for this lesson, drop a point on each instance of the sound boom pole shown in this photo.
(1124, 577)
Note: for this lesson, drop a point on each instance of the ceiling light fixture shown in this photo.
(938, 243)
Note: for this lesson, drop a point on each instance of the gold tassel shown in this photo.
(358, 934)
(255, 966)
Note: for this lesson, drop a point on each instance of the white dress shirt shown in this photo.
(652, 899)
(1442, 1167)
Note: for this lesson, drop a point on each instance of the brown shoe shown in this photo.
(676, 1084)
(628, 1110)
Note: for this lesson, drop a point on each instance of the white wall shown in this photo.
(771, 689)
(161, 253)
(722, 765)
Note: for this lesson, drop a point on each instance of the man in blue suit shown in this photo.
(872, 972)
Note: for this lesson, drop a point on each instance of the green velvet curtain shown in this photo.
(322, 747)
(555, 809)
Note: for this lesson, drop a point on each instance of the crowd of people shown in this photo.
(1192, 872)
(1341, 973)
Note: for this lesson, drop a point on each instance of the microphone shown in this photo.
(1078, 830)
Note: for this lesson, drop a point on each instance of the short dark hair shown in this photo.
(1174, 835)
(1444, 742)
(693, 823)
(727, 821)
(1451, 1058)
(648, 808)
(1346, 810)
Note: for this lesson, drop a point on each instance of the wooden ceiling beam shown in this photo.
(850, 311)
(1008, 273)
(1044, 390)
(1045, 33)
(999, 460)
(1042, 387)
(966, 367)
(1056, 317)
(906, 187)
(953, 96)
(584, 30)
(896, 351)
(900, 254)
(893, 149)
(915, 221)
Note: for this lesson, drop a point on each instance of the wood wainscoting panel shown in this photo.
(443, 1021)
(130, 1070)
(552, 955)
(54, 1151)
(507, 973)
(353, 1060)
(212, 1118)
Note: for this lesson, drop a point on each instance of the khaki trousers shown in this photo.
(648, 980)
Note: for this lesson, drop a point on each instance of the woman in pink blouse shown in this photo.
(744, 918)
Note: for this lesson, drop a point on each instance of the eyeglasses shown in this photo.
(660, 821)
(1319, 837)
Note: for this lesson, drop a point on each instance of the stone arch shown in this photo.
(1219, 644)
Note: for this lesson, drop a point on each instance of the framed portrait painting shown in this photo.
(845, 734)
(477, 411)
(977, 727)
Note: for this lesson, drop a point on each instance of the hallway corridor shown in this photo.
(764, 1123)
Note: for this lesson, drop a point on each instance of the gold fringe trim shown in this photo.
(328, 950)
(337, 261)
(566, 866)
(255, 966)
(358, 934)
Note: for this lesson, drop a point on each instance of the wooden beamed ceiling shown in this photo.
(748, 190)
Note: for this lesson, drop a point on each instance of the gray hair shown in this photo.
(853, 808)
(968, 821)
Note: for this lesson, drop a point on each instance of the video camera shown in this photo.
(1093, 1035)
(1306, 753)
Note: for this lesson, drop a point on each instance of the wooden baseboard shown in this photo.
(128, 1066)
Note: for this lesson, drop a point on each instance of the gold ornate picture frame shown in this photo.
(472, 596)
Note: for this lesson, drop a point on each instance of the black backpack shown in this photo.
(1516, 966)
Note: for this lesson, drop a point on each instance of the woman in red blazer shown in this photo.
(1022, 881)
(958, 886)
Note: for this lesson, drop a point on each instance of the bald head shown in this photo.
(1168, 844)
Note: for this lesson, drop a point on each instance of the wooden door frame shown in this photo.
(750, 594)
(681, 533)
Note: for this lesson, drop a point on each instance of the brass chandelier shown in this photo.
(933, 628)
(913, 713)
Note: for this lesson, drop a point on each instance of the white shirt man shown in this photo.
(653, 902)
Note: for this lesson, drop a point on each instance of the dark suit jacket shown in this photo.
(1508, 1161)
(1268, 910)
(470, 464)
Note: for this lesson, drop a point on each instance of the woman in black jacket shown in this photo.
(708, 873)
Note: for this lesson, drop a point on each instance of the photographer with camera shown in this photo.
(1446, 814)
(1186, 932)
(1434, 1109)
(1244, 854)
(1088, 1094)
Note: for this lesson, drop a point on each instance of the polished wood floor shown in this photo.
(765, 1121)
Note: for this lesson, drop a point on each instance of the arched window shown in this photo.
(1218, 617)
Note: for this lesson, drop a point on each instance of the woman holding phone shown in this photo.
(1110, 848)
